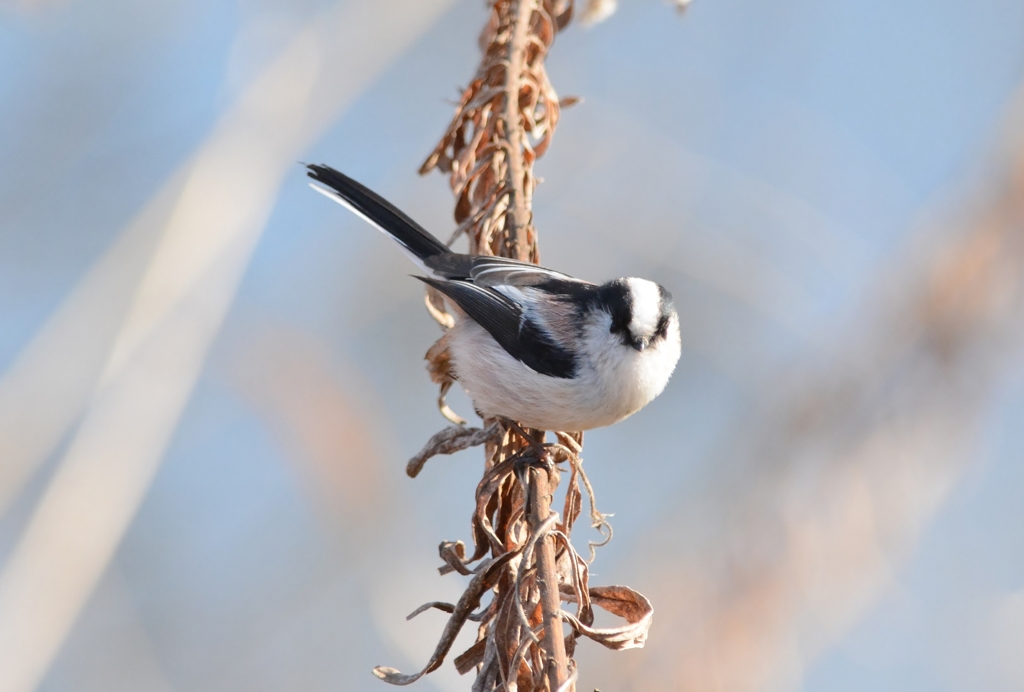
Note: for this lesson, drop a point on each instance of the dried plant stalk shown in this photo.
(504, 122)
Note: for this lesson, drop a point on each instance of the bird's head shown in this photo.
(642, 311)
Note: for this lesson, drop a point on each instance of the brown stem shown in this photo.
(556, 664)
(517, 220)
(489, 151)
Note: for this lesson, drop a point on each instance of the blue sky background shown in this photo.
(785, 168)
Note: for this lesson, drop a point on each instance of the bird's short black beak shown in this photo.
(639, 344)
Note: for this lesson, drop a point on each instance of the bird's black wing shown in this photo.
(488, 270)
(500, 271)
(505, 321)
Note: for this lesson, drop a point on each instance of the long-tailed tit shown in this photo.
(531, 344)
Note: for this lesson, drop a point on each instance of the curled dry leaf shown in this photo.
(454, 556)
(624, 602)
(448, 441)
(439, 365)
(438, 605)
(470, 599)
(507, 651)
(503, 123)
(437, 309)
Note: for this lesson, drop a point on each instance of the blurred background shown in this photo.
(212, 377)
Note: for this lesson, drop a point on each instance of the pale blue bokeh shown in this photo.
(791, 147)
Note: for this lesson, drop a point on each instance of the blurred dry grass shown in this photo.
(221, 201)
(326, 428)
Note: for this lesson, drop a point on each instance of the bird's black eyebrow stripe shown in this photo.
(503, 319)
(615, 297)
(662, 328)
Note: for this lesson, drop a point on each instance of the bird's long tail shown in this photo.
(378, 211)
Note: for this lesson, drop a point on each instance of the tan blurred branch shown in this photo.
(321, 418)
(50, 383)
(188, 284)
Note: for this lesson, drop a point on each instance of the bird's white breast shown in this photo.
(612, 381)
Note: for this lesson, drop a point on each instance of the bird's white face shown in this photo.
(659, 358)
(640, 312)
(632, 346)
(652, 335)
(648, 312)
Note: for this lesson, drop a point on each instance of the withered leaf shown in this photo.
(628, 604)
(470, 599)
(454, 555)
(471, 657)
(450, 440)
(439, 605)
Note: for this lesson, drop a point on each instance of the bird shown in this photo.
(530, 344)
